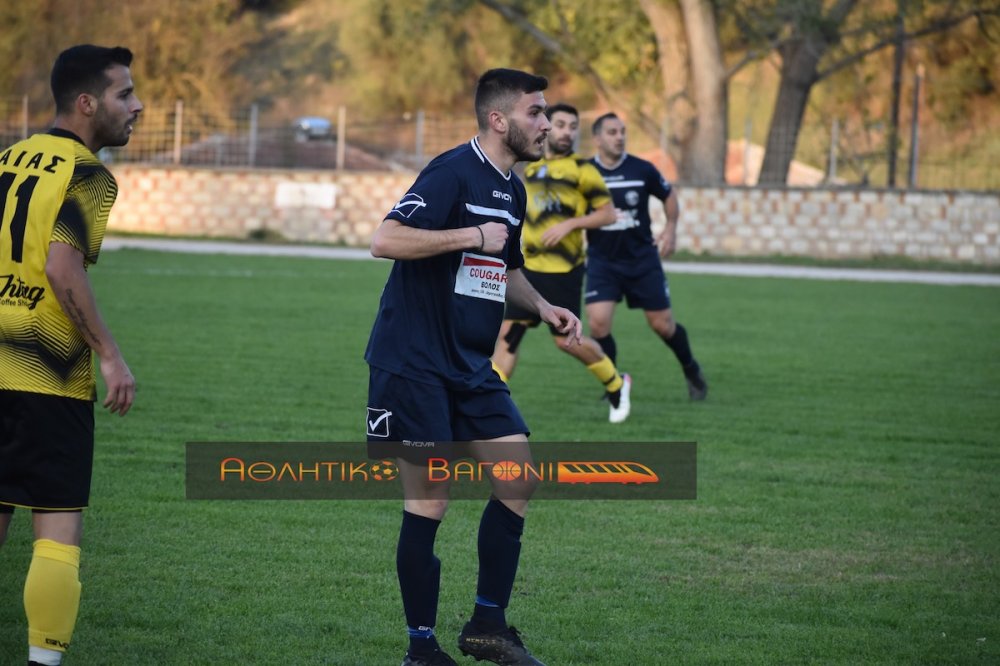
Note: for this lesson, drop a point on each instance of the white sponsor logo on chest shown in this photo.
(480, 276)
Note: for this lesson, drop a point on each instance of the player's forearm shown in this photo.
(521, 294)
(672, 209)
(64, 269)
(601, 217)
(393, 240)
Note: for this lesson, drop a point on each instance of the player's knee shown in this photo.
(434, 509)
(515, 494)
(514, 336)
(664, 326)
(530, 486)
(599, 328)
(599, 320)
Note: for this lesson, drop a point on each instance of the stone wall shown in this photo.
(842, 223)
(344, 208)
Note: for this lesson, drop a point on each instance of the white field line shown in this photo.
(696, 268)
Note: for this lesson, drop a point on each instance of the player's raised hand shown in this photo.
(494, 237)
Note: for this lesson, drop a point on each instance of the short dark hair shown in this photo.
(600, 121)
(501, 88)
(83, 69)
(562, 107)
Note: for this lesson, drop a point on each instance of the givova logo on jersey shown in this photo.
(15, 291)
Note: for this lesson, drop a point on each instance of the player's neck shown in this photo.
(499, 155)
(81, 129)
(610, 162)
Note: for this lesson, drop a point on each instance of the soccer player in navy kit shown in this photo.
(624, 260)
(455, 239)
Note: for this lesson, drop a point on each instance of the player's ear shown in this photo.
(86, 104)
(498, 122)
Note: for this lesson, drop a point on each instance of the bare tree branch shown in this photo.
(749, 57)
(932, 28)
(610, 94)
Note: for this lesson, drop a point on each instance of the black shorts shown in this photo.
(46, 450)
(562, 289)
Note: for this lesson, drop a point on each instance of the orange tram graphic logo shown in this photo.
(623, 472)
(606, 472)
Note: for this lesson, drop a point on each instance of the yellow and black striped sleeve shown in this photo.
(83, 217)
(592, 185)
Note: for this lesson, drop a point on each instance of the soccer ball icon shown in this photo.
(384, 470)
(506, 470)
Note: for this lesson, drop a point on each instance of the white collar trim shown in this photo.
(483, 157)
(597, 158)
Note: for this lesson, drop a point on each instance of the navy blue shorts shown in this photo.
(400, 409)
(644, 286)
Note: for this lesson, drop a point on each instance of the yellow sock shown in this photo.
(607, 374)
(496, 369)
(52, 594)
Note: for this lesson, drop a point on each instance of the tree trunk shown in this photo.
(703, 152)
(798, 74)
(703, 156)
(672, 56)
(897, 83)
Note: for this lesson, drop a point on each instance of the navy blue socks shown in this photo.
(419, 574)
(499, 548)
(678, 343)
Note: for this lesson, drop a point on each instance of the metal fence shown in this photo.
(865, 161)
(181, 135)
(837, 152)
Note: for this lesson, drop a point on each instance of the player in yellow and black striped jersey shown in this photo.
(55, 197)
(52, 188)
(561, 189)
(566, 195)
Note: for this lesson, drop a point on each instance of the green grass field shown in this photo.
(848, 481)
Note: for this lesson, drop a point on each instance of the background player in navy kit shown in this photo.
(622, 258)
(55, 196)
(455, 237)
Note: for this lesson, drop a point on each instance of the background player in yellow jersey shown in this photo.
(55, 196)
(566, 195)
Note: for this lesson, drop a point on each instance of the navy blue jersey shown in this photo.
(439, 317)
(629, 238)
